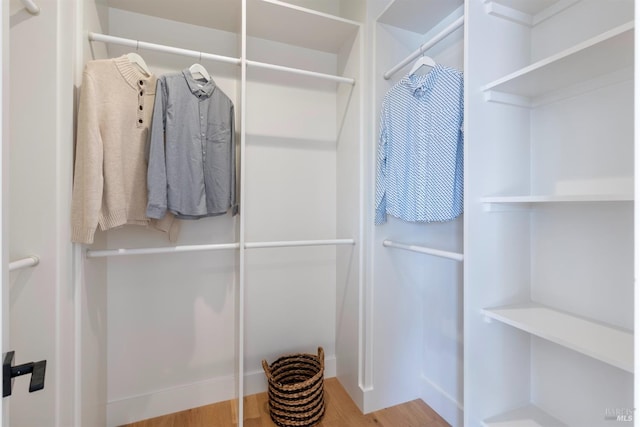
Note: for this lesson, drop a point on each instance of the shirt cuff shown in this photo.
(156, 212)
(381, 217)
(82, 235)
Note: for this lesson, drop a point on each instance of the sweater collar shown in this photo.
(133, 76)
(198, 87)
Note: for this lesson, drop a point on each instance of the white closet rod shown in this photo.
(202, 55)
(215, 247)
(424, 250)
(299, 243)
(24, 263)
(337, 79)
(426, 46)
(161, 48)
(31, 7)
(171, 249)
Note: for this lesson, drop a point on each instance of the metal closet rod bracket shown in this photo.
(31, 7)
(30, 261)
(9, 372)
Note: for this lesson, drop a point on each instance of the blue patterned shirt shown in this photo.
(419, 168)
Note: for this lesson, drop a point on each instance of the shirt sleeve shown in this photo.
(86, 200)
(232, 161)
(157, 169)
(461, 97)
(381, 167)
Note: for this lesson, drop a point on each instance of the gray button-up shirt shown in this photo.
(191, 170)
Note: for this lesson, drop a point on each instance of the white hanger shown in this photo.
(423, 61)
(196, 69)
(136, 59)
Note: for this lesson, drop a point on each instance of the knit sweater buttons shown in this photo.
(140, 122)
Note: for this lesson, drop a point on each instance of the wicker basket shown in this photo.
(296, 389)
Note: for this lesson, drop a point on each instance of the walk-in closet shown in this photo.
(274, 275)
(514, 308)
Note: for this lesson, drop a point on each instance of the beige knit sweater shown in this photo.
(110, 178)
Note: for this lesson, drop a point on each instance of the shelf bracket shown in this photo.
(507, 98)
(506, 207)
(495, 9)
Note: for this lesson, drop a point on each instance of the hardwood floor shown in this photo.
(340, 412)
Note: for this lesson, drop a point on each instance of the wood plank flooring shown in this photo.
(341, 412)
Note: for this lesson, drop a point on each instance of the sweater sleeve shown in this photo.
(157, 171)
(86, 199)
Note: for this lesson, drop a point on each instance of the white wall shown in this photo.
(442, 289)
(417, 299)
(40, 146)
(350, 204)
(180, 350)
(396, 312)
(90, 278)
(4, 185)
(290, 195)
(32, 291)
(171, 318)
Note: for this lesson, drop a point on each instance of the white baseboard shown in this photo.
(162, 402)
(444, 404)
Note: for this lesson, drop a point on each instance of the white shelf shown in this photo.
(268, 19)
(528, 416)
(418, 16)
(222, 15)
(605, 343)
(610, 51)
(527, 12)
(568, 198)
(285, 23)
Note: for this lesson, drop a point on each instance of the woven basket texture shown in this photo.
(296, 389)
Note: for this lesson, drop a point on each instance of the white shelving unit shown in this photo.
(553, 164)
(497, 202)
(586, 61)
(605, 343)
(568, 198)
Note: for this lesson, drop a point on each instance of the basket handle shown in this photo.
(321, 356)
(267, 370)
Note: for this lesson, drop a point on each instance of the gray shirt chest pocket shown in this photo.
(218, 133)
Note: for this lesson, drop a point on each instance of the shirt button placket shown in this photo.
(203, 128)
(140, 111)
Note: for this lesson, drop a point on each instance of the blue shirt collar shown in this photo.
(420, 84)
(199, 88)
